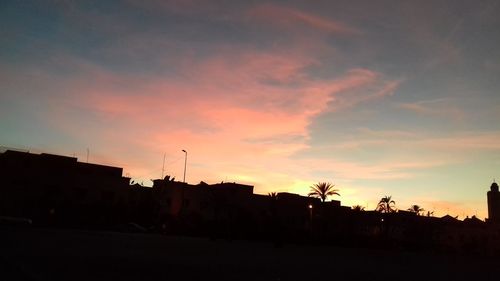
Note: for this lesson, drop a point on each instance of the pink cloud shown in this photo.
(230, 110)
(374, 87)
(250, 93)
(290, 17)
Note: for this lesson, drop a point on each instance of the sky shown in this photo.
(380, 98)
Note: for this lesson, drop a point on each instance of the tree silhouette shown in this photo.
(416, 209)
(323, 190)
(169, 179)
(273, 195)
(358, 208)
(386, 205)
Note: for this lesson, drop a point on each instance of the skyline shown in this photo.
(281, 95)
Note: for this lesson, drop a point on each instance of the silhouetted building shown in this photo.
(494, 204)
(177, 198)
(59, 190)
(198, 209)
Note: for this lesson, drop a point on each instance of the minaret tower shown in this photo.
(494, 203)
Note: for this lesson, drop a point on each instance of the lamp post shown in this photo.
(185, 163)
(310, 212)
(310, 218)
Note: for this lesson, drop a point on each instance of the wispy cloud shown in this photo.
(233, 92)
(231, 108)
(443, 107)
(289, 17)
(375, 87)
(463, 143)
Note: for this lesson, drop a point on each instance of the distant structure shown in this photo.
(494, 203)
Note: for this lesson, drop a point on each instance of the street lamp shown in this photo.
(310, 212)
(310, 206)
(185, 163)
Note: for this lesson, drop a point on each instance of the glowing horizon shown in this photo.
(279, 95)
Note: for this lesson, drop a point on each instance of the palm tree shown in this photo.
(358, 208)
(273, 196)
(416, 209)
(386, 205)
(323, 190)
(168, 179)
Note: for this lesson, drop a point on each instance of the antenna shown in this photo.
(88, 152)
(163, 166)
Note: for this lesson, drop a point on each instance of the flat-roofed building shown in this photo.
(58, 189)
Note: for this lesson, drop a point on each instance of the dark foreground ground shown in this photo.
(48, 254)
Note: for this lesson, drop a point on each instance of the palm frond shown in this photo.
(323, 190)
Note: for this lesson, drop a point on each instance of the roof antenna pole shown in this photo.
(88, 152)
(163, 166)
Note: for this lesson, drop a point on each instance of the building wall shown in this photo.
(178, 198)
(58, 189)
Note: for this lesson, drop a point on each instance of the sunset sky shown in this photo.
(380, 98)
